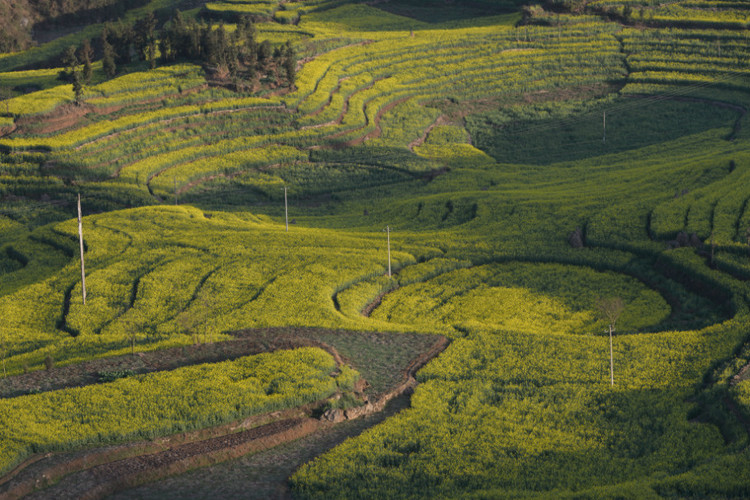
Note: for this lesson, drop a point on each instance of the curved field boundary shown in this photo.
(344, 108)
(440, 120)
(406, 387)
(372, 134)
(151, 363)
(106, 479)
(719, 104)
(185, 188)
(205, 139)
(98, 473)
(674, 302)
(328, 102)
(88, 373)
(171, 119)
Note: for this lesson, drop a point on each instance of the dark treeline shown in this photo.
(228, 57)
(232, 55)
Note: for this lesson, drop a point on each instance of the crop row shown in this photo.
(164, 403)
(716, 210)
(471, 67)
(481, 420)
(156, 279)
(667, 57)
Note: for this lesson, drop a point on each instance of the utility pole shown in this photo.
(610, 309)
(80, 240)
(286, 211)
(175, 190)
(388, 233)
(604, 127)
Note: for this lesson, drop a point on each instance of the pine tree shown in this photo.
(264, 52)
(70, 62)
(121, 36)
(77, 87)
(85, 54)
(108, 60)
(145, 38)
(290, 63)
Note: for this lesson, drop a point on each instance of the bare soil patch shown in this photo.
(420, 140)
(62, 117)
(91, 372)
(100, 472)
(262, 475)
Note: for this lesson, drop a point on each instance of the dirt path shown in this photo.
(100, 472)
(344, 109)
(263, 475)
(90, 372)
(369, 308)
(373, 133)
(420, 140)
(743, 374)
(106, 479)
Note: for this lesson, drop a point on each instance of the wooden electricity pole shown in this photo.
(175, 190)
(388, 234)
(80, 240)
(604, 127)
(610, 309)
(286, 211)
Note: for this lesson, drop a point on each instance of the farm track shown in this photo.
(106, 479)
(264, 475)
(441, 120)
(369, 308)
(87, 373)
(98, 473)
(377, 131)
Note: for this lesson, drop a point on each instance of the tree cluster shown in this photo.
(122, 43)
(78, 70)
(235, 56)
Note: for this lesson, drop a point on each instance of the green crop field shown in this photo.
(531, 162)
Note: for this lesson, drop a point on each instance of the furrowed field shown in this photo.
(529, 162)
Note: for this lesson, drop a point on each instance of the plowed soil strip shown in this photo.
(88, 373)
(102, 472)
(106, 479)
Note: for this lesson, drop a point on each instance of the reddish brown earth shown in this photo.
(87, 373)
(90, 474)
(420, 140)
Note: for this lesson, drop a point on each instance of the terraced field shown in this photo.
(529, 164)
